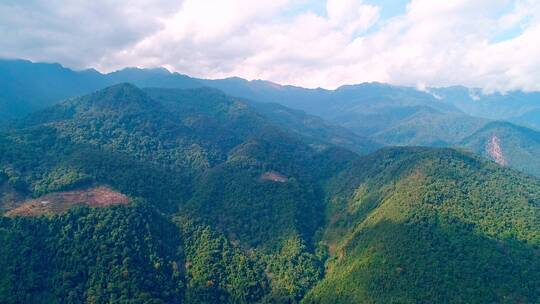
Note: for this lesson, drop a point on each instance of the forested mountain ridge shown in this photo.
(369, 110)
(418, 225)
(137, 145)
(27, 87)
(231, 201)
(403, 224)
(188, 136)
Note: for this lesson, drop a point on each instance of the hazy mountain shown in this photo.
(516, 106)
(357, 117)
(507, 144)
(27, 86)
(529, 119)
(313, 128)
(370, 109)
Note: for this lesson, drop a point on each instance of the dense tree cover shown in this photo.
(123, 138)
(255, 212)
(424, 226)
(124, 119)
(134, 254)
(401, 225)
(137, 143)
(294, 271)
(37, 161)
(117, 254)
(217, 271)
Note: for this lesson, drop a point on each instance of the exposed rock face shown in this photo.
(495, 151)
(58, 202)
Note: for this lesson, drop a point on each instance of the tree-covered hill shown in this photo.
(429, 127)
(26, 87)
(197, 151)
(195, 154)
(417, 225)
(131, 254)
(315, 129)
(391, 115)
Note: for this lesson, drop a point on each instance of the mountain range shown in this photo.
(357, 117)
(144, 186)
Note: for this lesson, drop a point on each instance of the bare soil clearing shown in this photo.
(59, 202)
(274, 177)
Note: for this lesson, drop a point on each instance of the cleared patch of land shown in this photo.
(274, 177)
(59, 202)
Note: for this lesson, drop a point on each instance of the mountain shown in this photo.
(529, 119)
(370, 109)
(315, 129)
(198, 158)
(419, 225)
(158, 77)
(193, 135)
(390, 115)
(507, 144)
(27, 86)
(516, 106)
(168, 195)
(429, 127)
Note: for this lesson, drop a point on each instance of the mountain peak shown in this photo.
(123, 96)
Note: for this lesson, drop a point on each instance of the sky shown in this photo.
(490, 44)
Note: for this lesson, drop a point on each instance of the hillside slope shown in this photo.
(26, 86)
(370, 109)
(415, 225)
(197, 151)
(196, 155)
(507, 144)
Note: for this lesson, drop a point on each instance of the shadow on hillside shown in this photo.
(431, 262)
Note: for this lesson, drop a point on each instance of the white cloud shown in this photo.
(351, 15)
(435, 43)
(77, 33)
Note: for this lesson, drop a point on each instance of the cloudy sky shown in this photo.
(493, 44)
